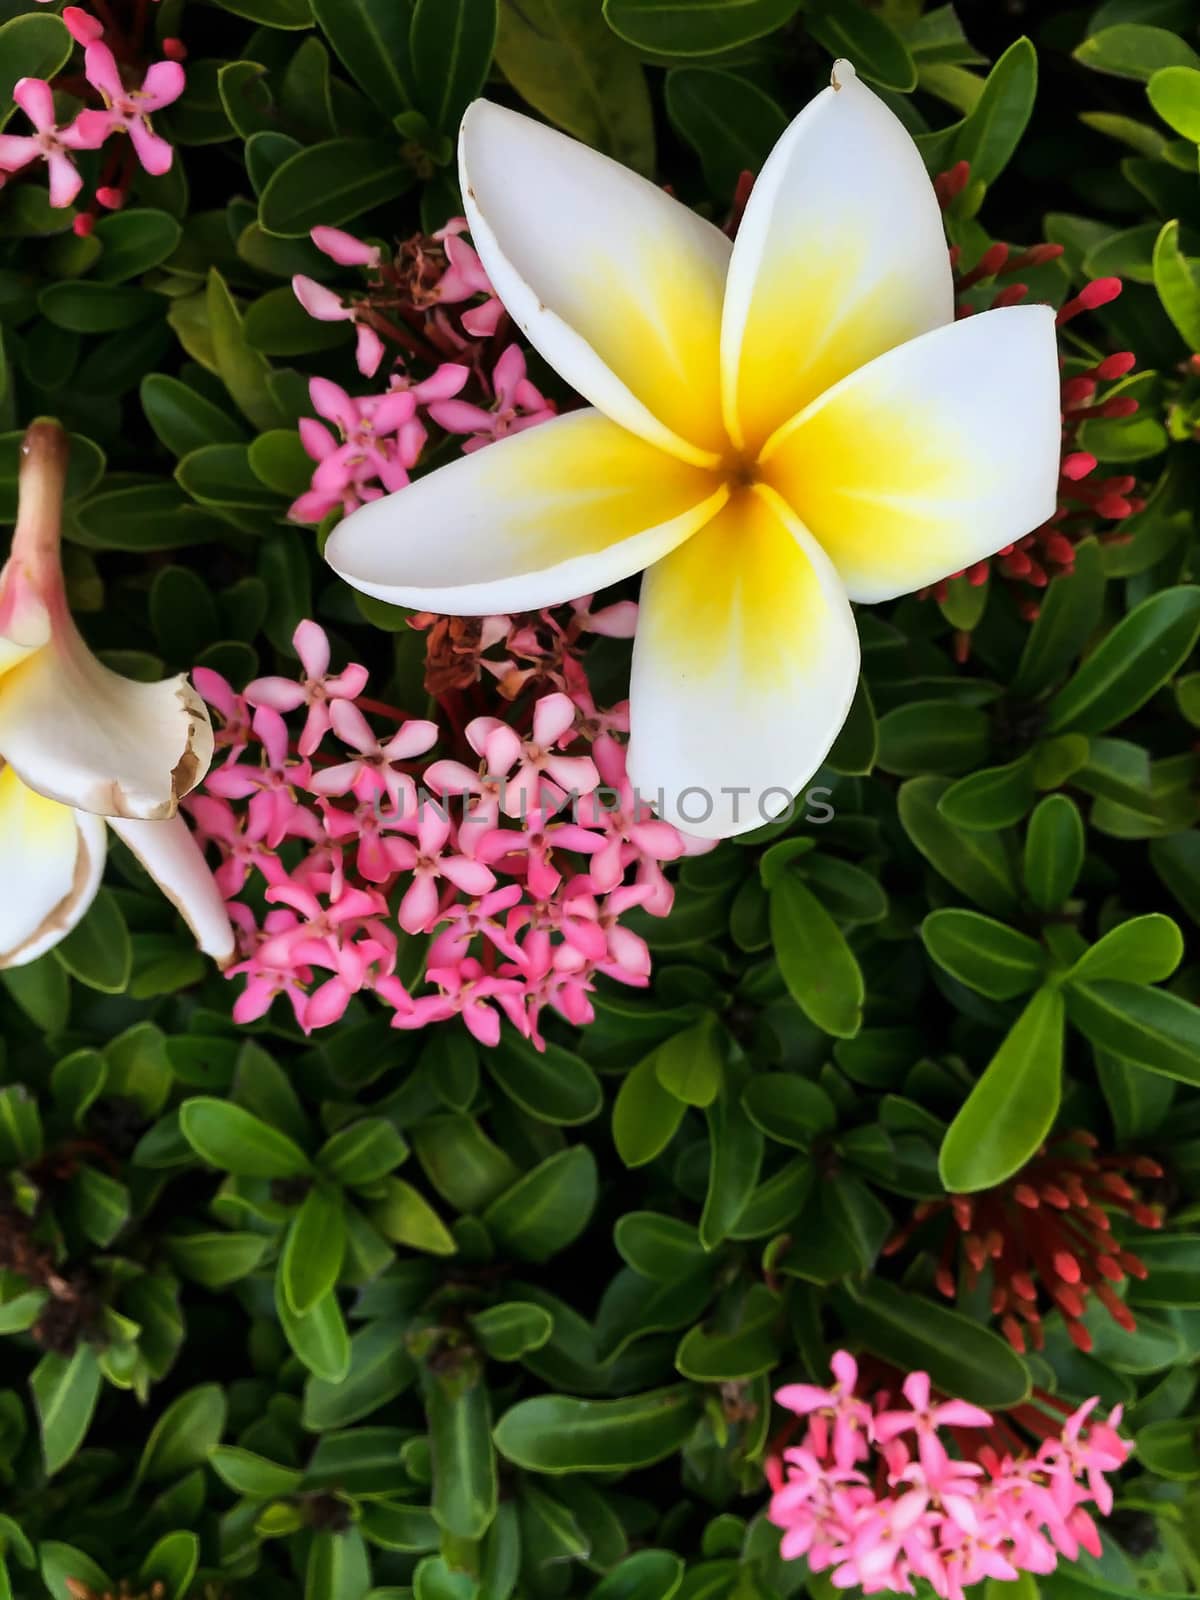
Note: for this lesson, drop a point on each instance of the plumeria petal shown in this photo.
(931, 457)
(534, 520)
(170, 854)
(51, 861)
(618, 285)
(72, 729)
(840, 256)
(744, 666)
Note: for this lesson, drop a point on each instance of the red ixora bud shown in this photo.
(1049, 1242)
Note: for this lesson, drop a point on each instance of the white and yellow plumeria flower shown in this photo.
(781, 426)
(80, 744)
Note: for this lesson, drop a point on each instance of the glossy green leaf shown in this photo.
(546, 1209)
(313, 1249)
(65, 1391)
(557, 1433)
(817, 964)
(729, 122)
(695, 27)
(330, 184)
(1054, 851)
(1177, 283)
(1013, 1105)
(450, 48)
(986, 955)
(226, 1136)
(1145, 1027)
(464, 1463)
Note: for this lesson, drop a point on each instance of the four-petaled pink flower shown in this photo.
(49, 142)
(373, 773)
(925, 1420)
(428, 860)
(316, 690)
(381, 439)
(517, 405)
(129, 109)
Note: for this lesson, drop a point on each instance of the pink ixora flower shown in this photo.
(464, 278)
(316, 690)
(381, 440)
(517, 405)
(49, 142)
(852, 1500)
(129, 109)
(326, 305)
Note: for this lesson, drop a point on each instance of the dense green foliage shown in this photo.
(392, 1314)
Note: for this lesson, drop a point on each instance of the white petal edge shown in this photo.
(548, 217)
(494, 531)
(170, 854)
(840, 255)
(86, 736)
(52, 861)
(705, 716)
(933, 456)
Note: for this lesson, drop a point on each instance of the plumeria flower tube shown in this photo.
(80, 744)
(777, 428)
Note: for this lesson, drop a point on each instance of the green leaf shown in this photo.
(133, 242)
(97, 950)
(1069, 614)
(171, 1563)
(1143, 950)
(227, 1137)
(689, 1064)
(872, 46)
(313, 1249)
(242, 369)
(20, 1126)
(730, 123)
(695, 27)
(35, 45)
(987, 137)
(64, 1569)
(1012, 1107)
(1130, 50)
(380, 1369)
(84, 307)
(1145, 1027)
(185, 1433)
(253, 1475)
(817, 964)
(996, 797)
(560, 56)
(978, 864)
(553, 1084)
(403, 1215)
(548, 1208)
(183, 419)
(735, 1159)
(659, 1247)
(984, 954)
(461, 1162)
(65, 1391)
(331, 184)
(1172, 1261)
(788, 1108)
(509, 1330)
(933, 736)
(318, 1337)
(465, 1488)
(739, 1352)
(962, 1358)
(370, 38)
(1137, 657)
(645, 1116)
(645, 1575)
(338, 1567)
(216, 1260)
(362, 1152)
(1054, 851)
(555, 1433)
(1174, 93)
(450, 45)
(1171, 1449)
(1177, 284)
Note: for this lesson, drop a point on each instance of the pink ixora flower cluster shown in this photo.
(875, 1495)
(123, 108)
(431, 306)
(517, 852)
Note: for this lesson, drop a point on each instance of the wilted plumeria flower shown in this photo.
(879, 1495)
(1046, 1238)
(80, 745)
(354, 836)
(781, 426)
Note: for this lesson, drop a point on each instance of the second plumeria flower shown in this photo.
(80, 745)
(777, 428)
